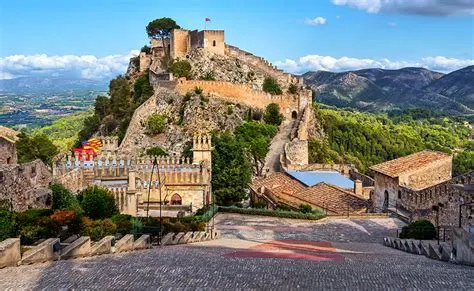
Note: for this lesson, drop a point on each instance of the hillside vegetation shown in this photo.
(63, 132)
(365, 139)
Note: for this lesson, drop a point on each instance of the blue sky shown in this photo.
(63, 36)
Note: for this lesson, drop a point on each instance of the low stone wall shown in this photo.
(72, 180)
(189, 237)
(366, 180)
(52, 250)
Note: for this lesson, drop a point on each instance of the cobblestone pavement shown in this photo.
(270, 254)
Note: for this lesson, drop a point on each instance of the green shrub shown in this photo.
(420, 229)
(98, 202)
(98, 229)
(156, 152)
(293, 89)
(181, 68)
(315, 215)
(305, 208)
(43, 227)
(156, 123)
(259, 204)
(31, 216)
(270, 85)
(272, 114)
(179, 227)
(198, 226)
(230, 110)
(283, 207)
(7, 224)
(208, 76)
(198, 90)
(63, 198)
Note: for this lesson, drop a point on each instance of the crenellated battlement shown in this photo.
(263, 65)
(241, 93)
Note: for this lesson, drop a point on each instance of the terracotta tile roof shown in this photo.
(292, 192)
(278, 183)
(395, 168)
(333, 198)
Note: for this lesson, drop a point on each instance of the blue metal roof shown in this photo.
(311, 178)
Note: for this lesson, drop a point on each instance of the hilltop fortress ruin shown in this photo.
(296, 108)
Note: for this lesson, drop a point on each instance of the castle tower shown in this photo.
(202, 148)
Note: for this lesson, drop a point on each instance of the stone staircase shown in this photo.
(277, 147)
(427, 248)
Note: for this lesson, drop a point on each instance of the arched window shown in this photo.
(176, 200)
(294, 115)
(213, 43)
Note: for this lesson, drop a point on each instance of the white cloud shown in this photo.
(316, 21)
(86, 66)
(328, 63)
(420, 7)
(392, 24)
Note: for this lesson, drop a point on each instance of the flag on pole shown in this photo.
(208, 19)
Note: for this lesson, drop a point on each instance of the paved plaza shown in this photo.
(258, 253)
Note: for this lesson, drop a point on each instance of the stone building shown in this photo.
(416, 171)
(137, 183)
(283, 189)
(8, 138)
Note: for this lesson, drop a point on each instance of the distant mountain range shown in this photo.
(50, 84)
(385, 90)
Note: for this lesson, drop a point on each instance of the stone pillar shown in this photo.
(358, 190)
(132, 181)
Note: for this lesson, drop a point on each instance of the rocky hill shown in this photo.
(384, 90)
(185, 115)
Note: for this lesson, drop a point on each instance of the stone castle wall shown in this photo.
(179, 43)
(145, 61)
(420, 203)
(24, 186)
(262, 64)
(239, 93)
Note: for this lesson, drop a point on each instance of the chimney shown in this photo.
(358, 187)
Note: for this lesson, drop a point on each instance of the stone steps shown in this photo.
(427, 248)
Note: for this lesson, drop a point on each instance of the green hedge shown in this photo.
(275, 213)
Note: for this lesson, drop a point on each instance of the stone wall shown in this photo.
(366, 180)
(420, 203)
(7, 151)
(239, 93)
(72, 180)
(214, 41)
(384, 185)
(24, 186)
(179, 43)
(261, 63)
(296, 154)
(145, 61)
(435, 173)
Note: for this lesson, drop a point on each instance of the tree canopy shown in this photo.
(272, 114)
(161, 29)
(365, 139)
(270, 85)
(35, 147)
(231, 170)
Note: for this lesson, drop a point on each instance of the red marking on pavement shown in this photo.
(291, 249)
